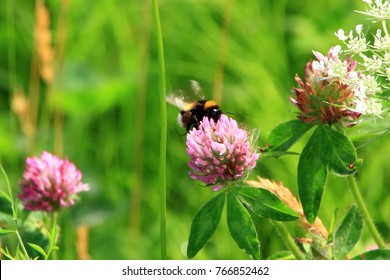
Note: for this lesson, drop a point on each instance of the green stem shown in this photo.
(53, 235)
(288, 240)
(366, 215)
(163, 140)
(14, 212)
(20, 239)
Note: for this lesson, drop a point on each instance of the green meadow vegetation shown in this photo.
(85, 85)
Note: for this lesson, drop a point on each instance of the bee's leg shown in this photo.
(196, 122)
(188, 127)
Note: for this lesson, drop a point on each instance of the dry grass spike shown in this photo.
(43, 39)
(289, 199)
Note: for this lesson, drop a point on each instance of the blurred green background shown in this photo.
(102, 111)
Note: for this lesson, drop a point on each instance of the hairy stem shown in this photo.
(366, 215)
(288, 240)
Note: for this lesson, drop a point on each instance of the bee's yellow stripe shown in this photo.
(210, 103)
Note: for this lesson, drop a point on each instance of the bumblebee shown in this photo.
(196, 111)
(192, 112)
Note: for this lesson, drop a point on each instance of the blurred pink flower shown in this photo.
(220, 152)
(50, 183)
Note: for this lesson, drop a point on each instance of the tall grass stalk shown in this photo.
(42, 67)
(219, 73)
(59, 60)
(34, 83)
(163, 139)
(140, 113)
(11, 45)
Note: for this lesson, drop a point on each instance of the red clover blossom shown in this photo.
(220, 152)
(334, 91)
(50, 183)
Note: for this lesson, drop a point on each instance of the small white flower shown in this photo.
(359, 29)
(373, 107)
(368, 107)
(341, 35)
(353, 77)
(373, 64)
(368, 85)
(360, 106)
(337, 69)
(381, 43)
(360, 92)
(386, 58)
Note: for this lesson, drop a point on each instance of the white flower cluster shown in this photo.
(378, 9)
(374, 58)
(355, 44)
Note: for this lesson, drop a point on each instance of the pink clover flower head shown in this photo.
(219, 152)
(50, 183)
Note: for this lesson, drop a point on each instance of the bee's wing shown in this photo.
(181, 98)
(177, 99)
(196, 90)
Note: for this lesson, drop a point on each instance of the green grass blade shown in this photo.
(163, 125)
